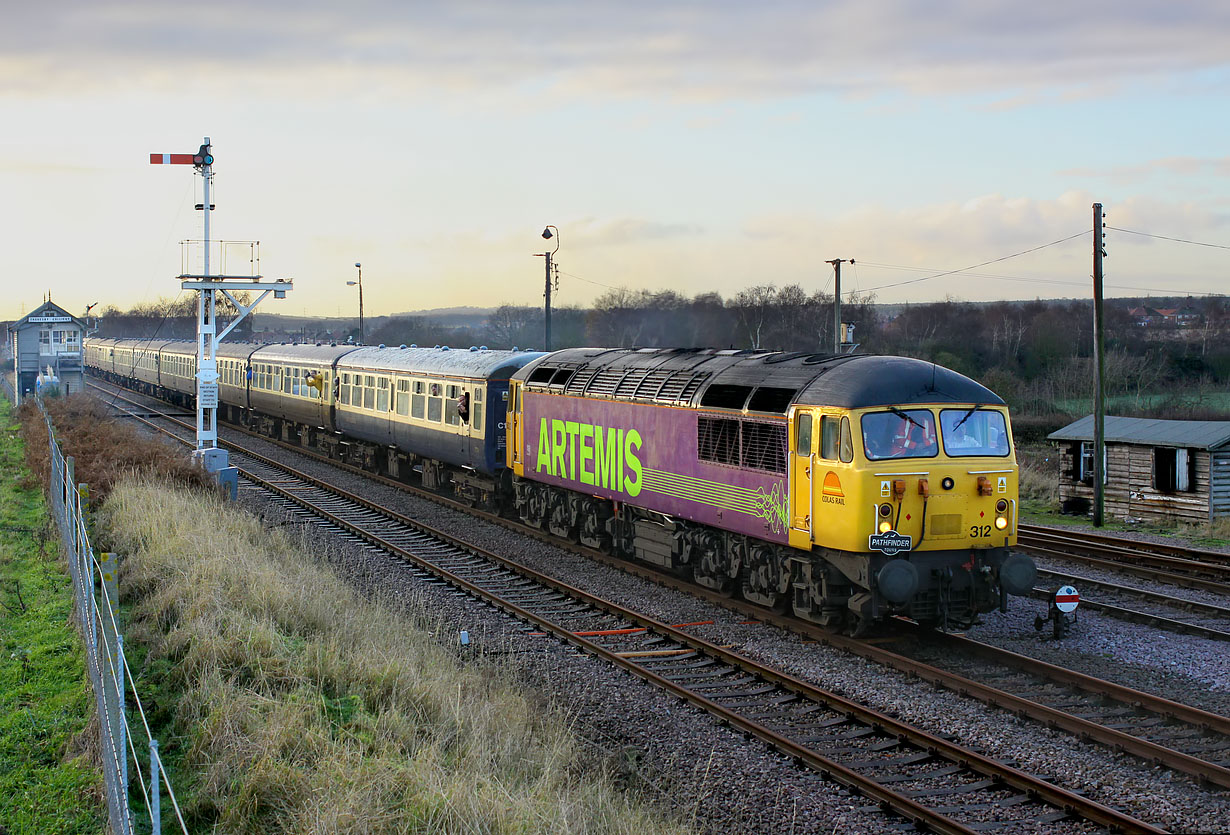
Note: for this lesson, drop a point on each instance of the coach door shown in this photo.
(802, 457)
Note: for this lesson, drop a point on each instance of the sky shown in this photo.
(952, 148)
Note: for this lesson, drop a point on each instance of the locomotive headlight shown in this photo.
(886, 526)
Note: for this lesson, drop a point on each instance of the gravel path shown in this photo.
(675, 752)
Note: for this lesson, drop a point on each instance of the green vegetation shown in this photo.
(293, 705)
(47, 782)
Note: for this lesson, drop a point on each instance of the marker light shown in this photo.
(1001, 505)
(886, 510)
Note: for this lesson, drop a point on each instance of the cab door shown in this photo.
(514, 427)
(802, 461)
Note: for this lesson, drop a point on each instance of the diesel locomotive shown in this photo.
(848, 489)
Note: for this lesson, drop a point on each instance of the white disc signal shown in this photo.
(1067, 599)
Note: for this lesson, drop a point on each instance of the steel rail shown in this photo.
(1204, 770)
(1145, 618)
(1184, 580)
(1137, 545)
(1125, 557)
(1195, 606)
(920, 815)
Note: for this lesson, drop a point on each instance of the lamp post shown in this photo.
(546, 234)
(359, 267)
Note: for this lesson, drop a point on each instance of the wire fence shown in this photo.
(126, 751)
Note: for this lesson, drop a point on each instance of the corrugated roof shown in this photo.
(1196, 434)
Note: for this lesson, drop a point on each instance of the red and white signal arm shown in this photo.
(1067, 599)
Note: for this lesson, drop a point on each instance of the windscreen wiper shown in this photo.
(966, 416)
(905, 416)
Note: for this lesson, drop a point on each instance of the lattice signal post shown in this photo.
(208, 286)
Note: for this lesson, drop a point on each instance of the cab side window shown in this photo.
(802, 444)
(830, 436)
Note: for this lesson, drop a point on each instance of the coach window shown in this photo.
(435, 405)
(403, 397)
(382, 394)
(451, 394)
(369, 391)
(803, 429)
(418, 402)
(343, 392)
(476, 409)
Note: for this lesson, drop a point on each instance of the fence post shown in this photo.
(111, 679)
(155, 798)
(121, 738)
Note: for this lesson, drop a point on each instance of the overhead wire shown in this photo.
(981, 264)
(1168, 238)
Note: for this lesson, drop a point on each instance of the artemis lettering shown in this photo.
(599, 456)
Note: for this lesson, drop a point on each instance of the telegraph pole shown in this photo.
(1099, 354)
(837, 262)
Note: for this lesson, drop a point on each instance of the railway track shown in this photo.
(1204, 570)
(1116, 599)
(932, 782)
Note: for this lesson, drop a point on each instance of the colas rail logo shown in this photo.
(598, 456)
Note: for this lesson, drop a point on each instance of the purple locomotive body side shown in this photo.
(647, 455)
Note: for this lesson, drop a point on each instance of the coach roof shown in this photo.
(455, 362)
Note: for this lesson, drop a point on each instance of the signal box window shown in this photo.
(899, 434)
(978, 432)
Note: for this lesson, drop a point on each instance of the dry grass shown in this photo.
(305, 709)
(105, 448)
(1039, 474)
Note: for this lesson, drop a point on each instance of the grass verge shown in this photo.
(293, 705)
(47, 782)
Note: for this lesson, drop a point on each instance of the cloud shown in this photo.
(1181, 166)
(697, 48)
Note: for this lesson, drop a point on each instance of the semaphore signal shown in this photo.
(207, 453)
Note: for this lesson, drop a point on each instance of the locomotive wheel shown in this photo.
(560, 519)
(856, 626)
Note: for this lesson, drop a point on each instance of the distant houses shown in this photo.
(1180, 317)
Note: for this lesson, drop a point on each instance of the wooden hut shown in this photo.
(1156, 470)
